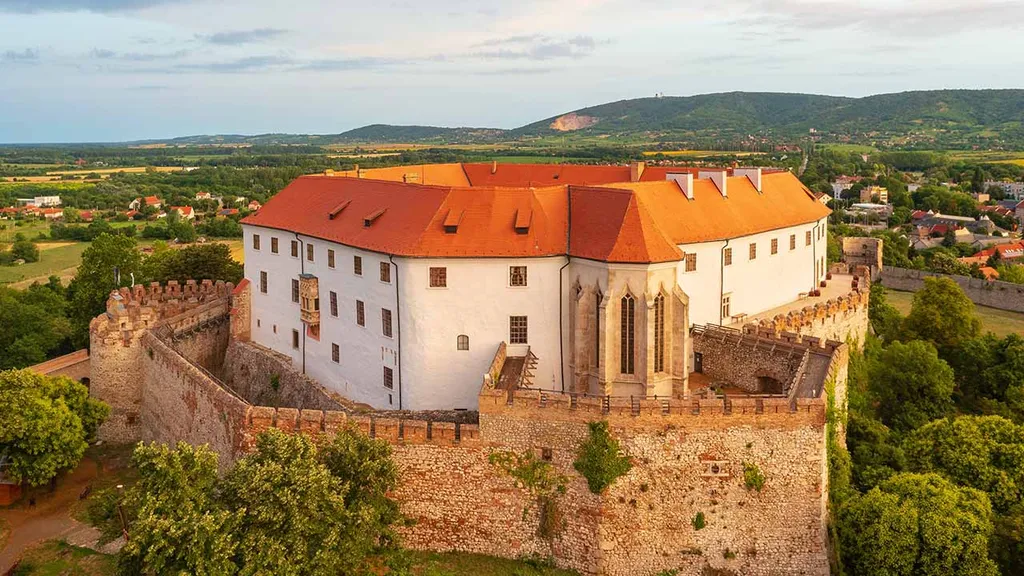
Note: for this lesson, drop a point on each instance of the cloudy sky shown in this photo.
(113, 70)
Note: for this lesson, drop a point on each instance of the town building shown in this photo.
(393, 287)
(184, 212)
(140, 203)
(1014, 190)
(40, 201)
(204, 196)
(875, 194)
(842, 184)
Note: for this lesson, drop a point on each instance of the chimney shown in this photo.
(752, 174)
(719, 177)
(494, 167)
(636, 170)
(684, 181)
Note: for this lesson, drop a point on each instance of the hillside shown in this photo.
(928, 119)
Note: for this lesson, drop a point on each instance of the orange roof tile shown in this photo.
(615, 222)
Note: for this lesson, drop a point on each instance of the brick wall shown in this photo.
(995, 294)
(249, 370)
(722, 364)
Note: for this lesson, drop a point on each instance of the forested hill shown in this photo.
(953, 117)
(927, 119)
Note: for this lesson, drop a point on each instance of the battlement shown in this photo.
(130, 311)
(397, 431)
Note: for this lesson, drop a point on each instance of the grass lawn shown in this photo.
(1001, 322)
(60, 261)
(59, 558)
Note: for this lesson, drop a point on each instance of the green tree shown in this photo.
(95, 279)
(1013, 273)
(46, 424)
(875, 454)
(917, 525)
(199, 262)
(913, 385)
(25, 250)
(885, 319)
(32, 325)
(983, 452)
(941, 314)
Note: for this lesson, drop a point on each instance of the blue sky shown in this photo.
(114, 70)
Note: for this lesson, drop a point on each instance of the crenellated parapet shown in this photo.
(834, 310)
(131, 310)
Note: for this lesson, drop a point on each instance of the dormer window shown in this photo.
(452, 220)
(524, 218)
(371, 218)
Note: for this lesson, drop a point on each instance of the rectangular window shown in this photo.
(627, 327)
(360, 313)
(334, 304)
(753, 251)
(255, 241)
(775, 246)
(295, 339)
(659, 333)
(389, 378)
(517, 330)
(725, 306)
(273, 244)
(335, 353)
(295, 290)
(385, 272)
(691, 262)
(295, 248)
(792, 241)
(330, 258)
(263, 282)
(309, 252)
(517, 275)
(385, 320)
(808, 238)
(438, 277)
(357, 265)
(728, 256)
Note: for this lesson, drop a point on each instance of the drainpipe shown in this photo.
(561, 297)
(302, 270)
(721, 285)
(398, 322)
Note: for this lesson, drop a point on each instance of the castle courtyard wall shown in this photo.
(991, 293)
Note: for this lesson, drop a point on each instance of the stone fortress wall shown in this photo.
(991, 293)
(176, 365)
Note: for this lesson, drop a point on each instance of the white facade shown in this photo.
(429, 371)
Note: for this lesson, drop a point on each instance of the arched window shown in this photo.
(463, 342)
(628, 343)
(659, 333)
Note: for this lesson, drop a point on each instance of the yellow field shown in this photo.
(699, 153)
(55, 175)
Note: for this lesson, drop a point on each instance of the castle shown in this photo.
(200, 362)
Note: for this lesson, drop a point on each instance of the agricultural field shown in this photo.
(699, 153)
(990, 156)
(849, 148)
(55, 259)
(1001, 322)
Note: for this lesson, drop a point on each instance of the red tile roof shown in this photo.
(616, 222)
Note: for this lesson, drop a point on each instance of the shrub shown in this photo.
(599, 459)
(698, 521)
(753, 477)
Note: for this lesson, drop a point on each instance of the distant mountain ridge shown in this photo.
(949, 117)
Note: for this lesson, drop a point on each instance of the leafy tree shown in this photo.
(913, 385)
(920, 525)
(885, 319)
(983, 452)
(990, 375)
(25, 250)
(875, 454)
(199, 262)
(1011, 273)
(95, 279)
(32, 324)
(46, 424)
(941, 314)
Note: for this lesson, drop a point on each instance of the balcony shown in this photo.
(309, 299)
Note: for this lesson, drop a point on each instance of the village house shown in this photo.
(204, 196)
(184, 212)
(394, 287)
(844, 183)
(148, 201)
(874, 194)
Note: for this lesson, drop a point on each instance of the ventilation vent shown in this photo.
(373, 217)
(524, 218)
(337, 210)
(452, 220)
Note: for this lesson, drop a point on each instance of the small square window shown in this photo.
(462, 342)
(753, 251)
(255, 241)
(438, 277)
(295, 339)
(335, 354)
(357, 265)
(385, 319)
(360, 313)
(775, 245)
(334, 304)
(385, 272)
(389, 378)
(273, 245)
(517, 330)
(295, 290)
(517, 276)
(295, 248)
(309, 252)
(263, 282)
(728, 257)
(330, 258)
